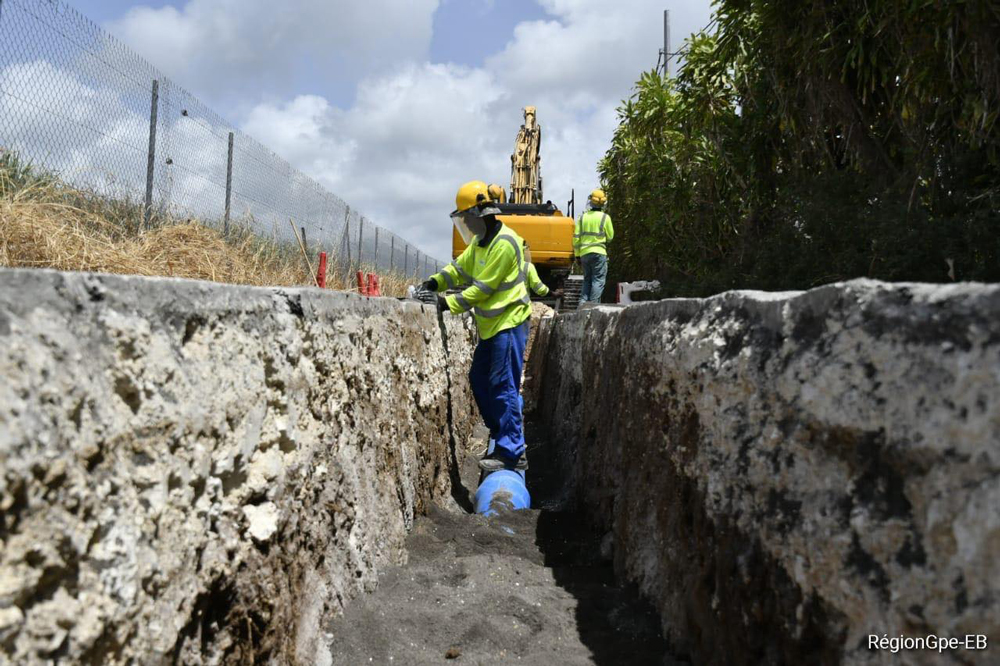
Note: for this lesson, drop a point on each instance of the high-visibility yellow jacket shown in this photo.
(535, 283)
(592, 232)
(496, 274)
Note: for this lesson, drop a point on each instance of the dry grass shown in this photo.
(44, 224)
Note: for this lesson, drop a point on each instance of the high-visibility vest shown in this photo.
(535, 283)
(497, 277)
(592, 232)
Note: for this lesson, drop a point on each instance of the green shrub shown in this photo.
(805, 143)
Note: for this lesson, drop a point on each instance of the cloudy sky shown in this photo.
(391, 104)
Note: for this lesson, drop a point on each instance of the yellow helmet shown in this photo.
(470, 195)
(597, 197)
(497, 193)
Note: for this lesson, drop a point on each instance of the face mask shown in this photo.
(469, 226)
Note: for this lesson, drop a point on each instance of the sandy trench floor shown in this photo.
(529, 587)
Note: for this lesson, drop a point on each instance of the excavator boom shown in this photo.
(525, 177)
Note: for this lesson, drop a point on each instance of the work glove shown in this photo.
(442, 304)
(429, 285)
(556, 293)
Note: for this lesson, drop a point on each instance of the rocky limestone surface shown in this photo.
(786, 474)
(199, 473)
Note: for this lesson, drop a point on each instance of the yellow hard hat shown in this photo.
(598, 198)
(497, 193)
(470, 195)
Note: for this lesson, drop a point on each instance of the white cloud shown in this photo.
(414, 135)
(244, 47)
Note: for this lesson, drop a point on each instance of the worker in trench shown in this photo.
(493, 272)
(591, 233)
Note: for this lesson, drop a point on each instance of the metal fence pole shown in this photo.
(151, 156)
(347, 240)
(375, 260)
(229, 184)
(392, 252)
(361, 233)
(406, 260)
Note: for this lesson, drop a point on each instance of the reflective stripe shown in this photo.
(483, 287)
(496, 312)
(521, 277)
(521, 273)
(600, 230)
(447, 279)
(591, 245)
(462, 303)
(461, 273)
(514, 244)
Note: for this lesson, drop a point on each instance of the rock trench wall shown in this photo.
(785, 474)
(200, 473)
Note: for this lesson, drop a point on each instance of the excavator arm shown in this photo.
(525, 176)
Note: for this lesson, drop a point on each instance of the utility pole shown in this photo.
(665, 53)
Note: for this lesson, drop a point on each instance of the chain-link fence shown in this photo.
(78, 102)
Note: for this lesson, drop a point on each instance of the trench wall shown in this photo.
(199, 473)
(785, 474)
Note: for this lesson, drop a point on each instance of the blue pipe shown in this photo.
(502, 489)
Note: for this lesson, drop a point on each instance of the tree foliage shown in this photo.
(807, 142)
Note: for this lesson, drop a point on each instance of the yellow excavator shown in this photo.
(540, 223)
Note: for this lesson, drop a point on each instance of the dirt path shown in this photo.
(529, 587)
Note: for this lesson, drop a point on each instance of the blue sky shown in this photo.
(392, 104)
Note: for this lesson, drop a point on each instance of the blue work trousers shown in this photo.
(495, 377)
(595, 272)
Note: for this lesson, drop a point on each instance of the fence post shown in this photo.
(392, 252)
(361, 233)
(305, 245)
(347, 240)
(375, 260)
(406, 261)
(151, 156)
(229, 184)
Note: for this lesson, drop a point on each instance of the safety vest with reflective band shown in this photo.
(535, 283)
(592, 232)
(496, 274)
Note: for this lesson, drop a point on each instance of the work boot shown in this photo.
(495, 462)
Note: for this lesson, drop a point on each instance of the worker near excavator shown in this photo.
(494, 273)
(535, 284)
(591, 234)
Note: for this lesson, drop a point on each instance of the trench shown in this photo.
(535, 586)
(199, 474)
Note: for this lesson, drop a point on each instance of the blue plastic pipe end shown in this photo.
(502, 489)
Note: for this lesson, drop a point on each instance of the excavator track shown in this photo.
(571, 293)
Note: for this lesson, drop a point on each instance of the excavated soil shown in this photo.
(531, 587)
